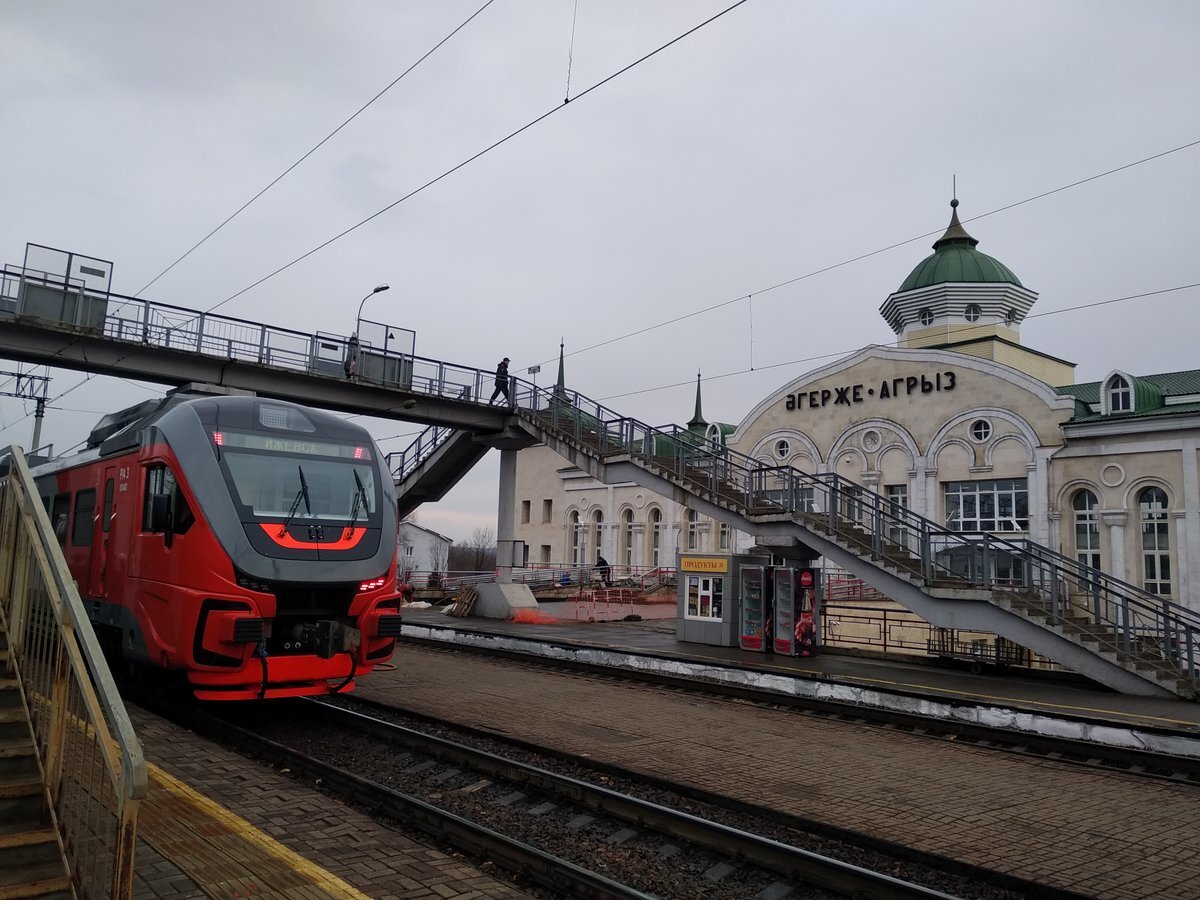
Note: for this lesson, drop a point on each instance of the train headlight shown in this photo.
(373, 585)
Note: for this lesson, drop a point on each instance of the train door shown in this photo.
(101, 536)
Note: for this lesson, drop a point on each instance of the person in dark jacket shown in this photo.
(501, 382)
(604, 570)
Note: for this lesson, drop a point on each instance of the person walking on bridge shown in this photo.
(501, 382)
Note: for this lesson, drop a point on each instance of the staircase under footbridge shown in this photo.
(1115, 633)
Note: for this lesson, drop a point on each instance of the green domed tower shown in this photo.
(958, 298)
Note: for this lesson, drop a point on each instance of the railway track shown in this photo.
(570, 836)
(1134, 761)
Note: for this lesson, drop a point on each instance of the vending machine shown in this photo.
(755, 633)
(784, 589)
(780, 610)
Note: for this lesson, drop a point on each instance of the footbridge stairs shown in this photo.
(1082, 618)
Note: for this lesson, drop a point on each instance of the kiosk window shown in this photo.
(705, 595)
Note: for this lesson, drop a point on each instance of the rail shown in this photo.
(91, 759)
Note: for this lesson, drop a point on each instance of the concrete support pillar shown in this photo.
(499, 599)
(506, 515)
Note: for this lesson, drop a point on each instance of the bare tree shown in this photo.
(477, 553)
(438, 557)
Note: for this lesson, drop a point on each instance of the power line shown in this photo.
(472, 158)
(838, 353)
(314, 149)
(444, 174)
(862, 256)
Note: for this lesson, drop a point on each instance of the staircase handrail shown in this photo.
(75, 709)
(828, 502)
(403, 462)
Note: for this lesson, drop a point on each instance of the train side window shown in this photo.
(106, 518)
(60, 512)
(81, 525)
(160, 482)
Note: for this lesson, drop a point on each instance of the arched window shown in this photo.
(1087, 528)
(597, 532)
(1120, 394)
(655, 536)
(576, 539)
(693, 532)
(627, 536)
(1156, 541)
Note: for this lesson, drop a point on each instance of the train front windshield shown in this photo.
(275, 477)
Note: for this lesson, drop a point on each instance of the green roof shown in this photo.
(955, 259)
(1150, 394)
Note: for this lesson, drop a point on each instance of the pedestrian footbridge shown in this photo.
(1111, 631)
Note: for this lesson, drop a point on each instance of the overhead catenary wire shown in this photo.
(448, 172)
(834, 354)
(722, 304)
(470, 159)
(278, 178)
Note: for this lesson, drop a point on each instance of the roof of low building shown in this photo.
(1152, 394)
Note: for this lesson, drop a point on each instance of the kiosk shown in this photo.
(744, 601)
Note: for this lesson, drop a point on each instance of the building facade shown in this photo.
(420, 552)
(959, 422)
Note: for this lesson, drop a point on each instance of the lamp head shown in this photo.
(382, 287)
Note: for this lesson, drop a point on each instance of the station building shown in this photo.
(959, 421)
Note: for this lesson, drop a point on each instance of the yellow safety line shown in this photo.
(269, 868)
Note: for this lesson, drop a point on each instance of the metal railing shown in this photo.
(1139, 627)
(94, 770)
(53, 300)
(406, 461)
(1132, 622)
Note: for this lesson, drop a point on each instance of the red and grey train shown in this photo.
(247, 543)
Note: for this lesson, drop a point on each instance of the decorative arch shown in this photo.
(1133, 492)
(989, 452)
(904, 436)
(764, 449)
(1023, 428)
(959, 443)
(1062, 500)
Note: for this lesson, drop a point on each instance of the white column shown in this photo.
(1115, 520)
(1188, 538)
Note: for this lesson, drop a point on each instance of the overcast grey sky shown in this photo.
(783, 138)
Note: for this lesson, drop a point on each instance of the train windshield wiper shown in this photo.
(360, 500)
(301, 494)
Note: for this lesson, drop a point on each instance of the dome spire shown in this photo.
(560, 386)
(697, 423)
(955, 233)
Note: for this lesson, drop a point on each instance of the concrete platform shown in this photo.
(215, 824)
(1012, 699)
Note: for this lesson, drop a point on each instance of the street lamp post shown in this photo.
(351, 363)
(358, 317)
